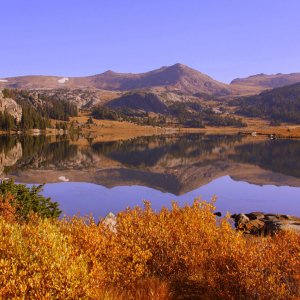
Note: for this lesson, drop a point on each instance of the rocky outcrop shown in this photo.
(11, 106)
(262, 224)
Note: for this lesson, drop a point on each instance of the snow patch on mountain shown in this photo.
(63, 80)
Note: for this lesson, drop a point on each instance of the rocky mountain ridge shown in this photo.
(172, 78)
(154, 89)
(177, 77)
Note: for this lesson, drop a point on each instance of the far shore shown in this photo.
(108, 130)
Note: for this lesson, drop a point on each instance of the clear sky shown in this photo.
(223, 38)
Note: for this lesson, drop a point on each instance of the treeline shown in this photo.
(7, 121)
(129, 115)
(105, 113)
(280, 104)
(37, 109)
(189, 114)
(32, 119)
(192, 114)
(59, 109)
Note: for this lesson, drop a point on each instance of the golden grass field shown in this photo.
(119, 130)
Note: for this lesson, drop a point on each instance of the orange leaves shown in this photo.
(145, 256)
(7, 209)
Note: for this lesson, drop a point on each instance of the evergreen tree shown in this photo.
(29, 200)
(7, 121)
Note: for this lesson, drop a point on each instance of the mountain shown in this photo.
(279, 104)
(177, 77)
(262, 81)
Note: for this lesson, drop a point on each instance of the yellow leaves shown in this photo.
(71, 259)
(39, 262)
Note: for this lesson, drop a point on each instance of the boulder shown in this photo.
(255, 215)
(254, 227)
(240, 220)
(261, 224)
(110, 221)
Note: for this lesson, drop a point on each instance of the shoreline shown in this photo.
(114, 130)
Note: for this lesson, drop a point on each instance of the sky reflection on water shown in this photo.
(86, 198)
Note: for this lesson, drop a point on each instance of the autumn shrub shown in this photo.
(179, 252)
(184, 244)
(38, 262)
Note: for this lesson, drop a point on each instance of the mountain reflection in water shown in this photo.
(175, 164)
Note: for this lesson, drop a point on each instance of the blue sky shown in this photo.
(223, 38)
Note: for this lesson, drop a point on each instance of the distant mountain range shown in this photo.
(263, 81)
(176, 90)
(175, 78)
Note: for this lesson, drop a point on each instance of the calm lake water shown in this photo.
(88, 176)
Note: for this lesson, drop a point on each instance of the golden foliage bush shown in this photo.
(8, 211)
(180, 251)
(38, 262)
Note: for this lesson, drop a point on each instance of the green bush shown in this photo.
(28, 200)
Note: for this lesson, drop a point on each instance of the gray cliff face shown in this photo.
(11, 107)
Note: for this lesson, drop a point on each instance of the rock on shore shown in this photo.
(262, 224)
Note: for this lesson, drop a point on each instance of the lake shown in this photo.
(89, 176)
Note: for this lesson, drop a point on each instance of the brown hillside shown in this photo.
(141, 101)
(176, 77)
(262, 82)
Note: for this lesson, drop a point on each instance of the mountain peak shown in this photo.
(109, 72)
(179, 65)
